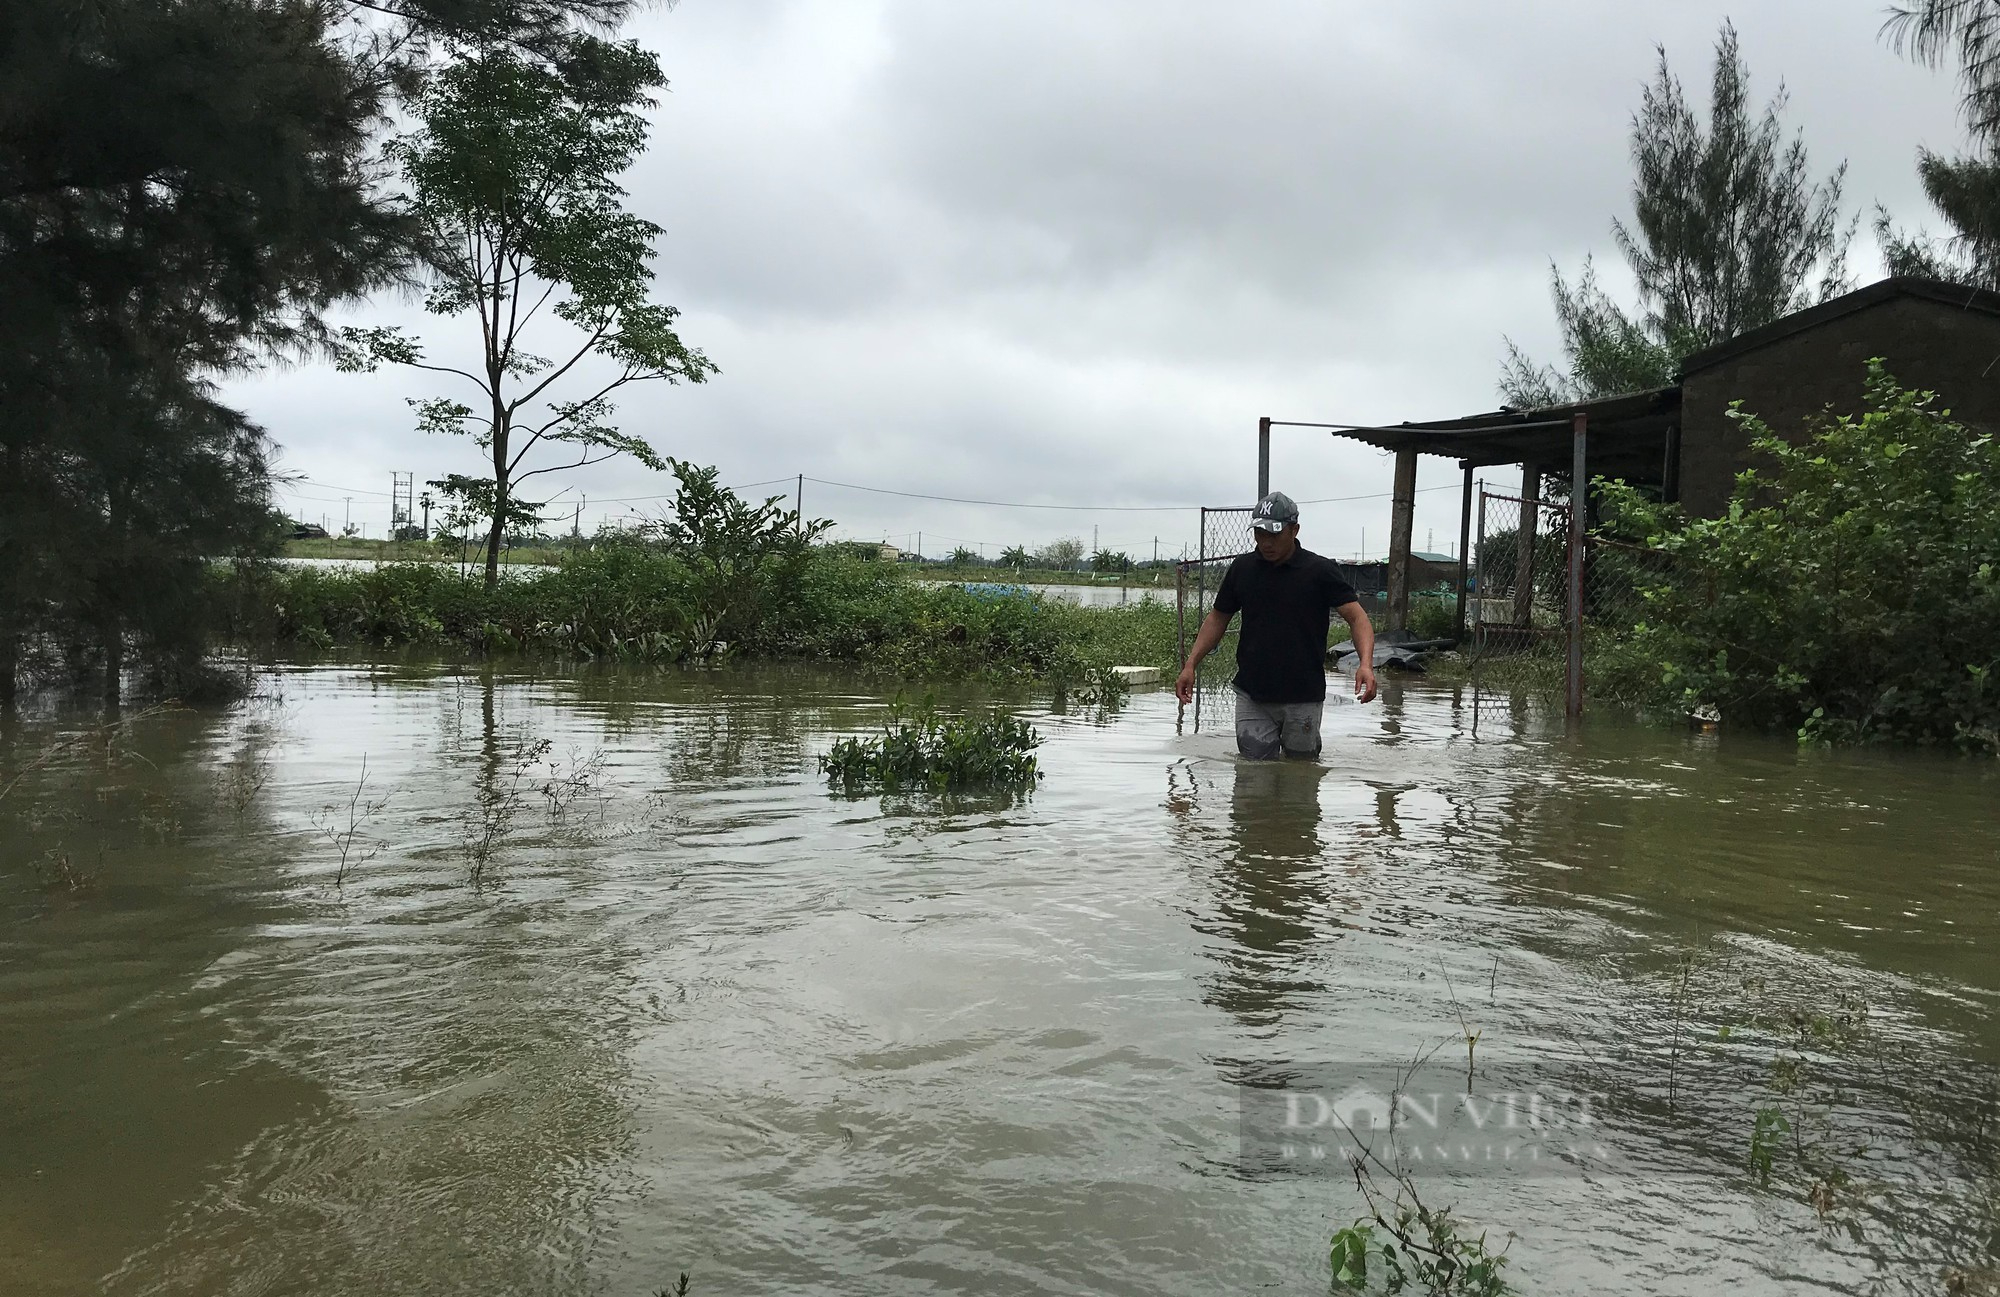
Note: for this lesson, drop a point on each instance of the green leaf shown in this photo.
(1349, 1254)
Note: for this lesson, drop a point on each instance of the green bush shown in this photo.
(1434, 615)
(925, 750)
(1851, 593)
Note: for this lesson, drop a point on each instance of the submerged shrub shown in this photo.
(924, 750)
(1850, 594)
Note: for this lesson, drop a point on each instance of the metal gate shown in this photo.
(1520, 574)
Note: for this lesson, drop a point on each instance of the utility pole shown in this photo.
(347, 514)
(427, 515)
(799, 503)
(1093, 539)
(576, 522)
(1263, 457)
(401, 487)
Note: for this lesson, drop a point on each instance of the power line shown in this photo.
(328, 486)
(1096, 508)
(920, 495)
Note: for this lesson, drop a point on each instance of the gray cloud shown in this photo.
(1061, 252)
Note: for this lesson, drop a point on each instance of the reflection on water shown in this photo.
(700, 1015)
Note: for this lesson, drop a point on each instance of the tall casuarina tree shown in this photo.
(1965, 190)
(1730, 229)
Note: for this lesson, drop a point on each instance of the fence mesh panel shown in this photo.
(1520, 575)
(1616, 576)
(1225, 534)
(1517, 615)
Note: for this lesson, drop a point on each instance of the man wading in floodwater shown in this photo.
(1286, 594)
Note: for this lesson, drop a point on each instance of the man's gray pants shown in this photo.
(1264, 731)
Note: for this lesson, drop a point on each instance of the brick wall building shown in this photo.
(1939, 337)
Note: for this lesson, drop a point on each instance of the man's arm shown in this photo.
(1363, 632)
(1205, 640)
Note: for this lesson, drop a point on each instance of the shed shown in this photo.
(1680, 440)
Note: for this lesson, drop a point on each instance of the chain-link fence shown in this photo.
(1225, 535)
(1522, 627)
(1616, 576)
(1519, 575)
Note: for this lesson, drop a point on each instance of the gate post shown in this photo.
(1579, 490)
(1464, 554)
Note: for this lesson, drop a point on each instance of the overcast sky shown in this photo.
(1068, 251)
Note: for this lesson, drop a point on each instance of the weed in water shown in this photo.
(564, 787)
(680, 1289)
(1684, 971)
(1767, 1137)
(923, 750)
(490, 818)
(58, 874)
(115, 735)
(239, 782)
(1465, 1031)
(341, 825)
(1419, 1248)
(159, 817)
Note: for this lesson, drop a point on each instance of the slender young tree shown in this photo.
(513, 176)
(1729, 230)
(1965, 190)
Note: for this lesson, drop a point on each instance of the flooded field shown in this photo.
(262, 1033)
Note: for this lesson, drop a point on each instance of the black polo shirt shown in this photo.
(1287, 608)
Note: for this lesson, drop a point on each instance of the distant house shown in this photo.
(1370, 576)
(308, 531)
(890, 554)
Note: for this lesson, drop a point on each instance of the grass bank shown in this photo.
(412, 551)
(636, 603)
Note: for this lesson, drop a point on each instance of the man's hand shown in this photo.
(1184, 685)
(1363, 632)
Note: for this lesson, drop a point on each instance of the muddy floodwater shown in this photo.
(697, 1015)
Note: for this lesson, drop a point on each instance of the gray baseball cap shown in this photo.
(1274, 512)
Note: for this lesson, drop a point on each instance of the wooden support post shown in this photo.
(1402, 520)
(1263, 457)
(1579, 496)
(1670, 471)
(1524, 562)
(1464, 551)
